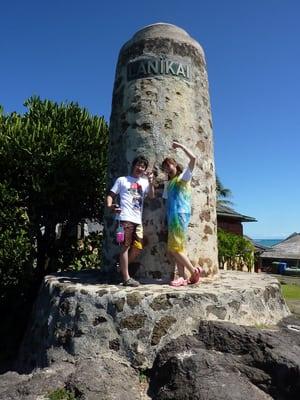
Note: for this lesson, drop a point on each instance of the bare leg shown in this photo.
(180, 269)
(127, 255)
(133, 253)
(124, 263)
(183, 260)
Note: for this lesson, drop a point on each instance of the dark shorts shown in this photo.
(133, 235)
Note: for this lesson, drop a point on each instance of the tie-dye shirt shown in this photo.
(178, 194)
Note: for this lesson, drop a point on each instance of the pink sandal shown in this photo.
(195, 277)
(179, 282)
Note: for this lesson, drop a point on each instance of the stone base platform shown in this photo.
(77, 317)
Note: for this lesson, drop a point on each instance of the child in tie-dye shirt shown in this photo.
(178, 195)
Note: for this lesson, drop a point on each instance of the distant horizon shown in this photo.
(268, 242)
(268, 237)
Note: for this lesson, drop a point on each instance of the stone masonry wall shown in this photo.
(76, 317)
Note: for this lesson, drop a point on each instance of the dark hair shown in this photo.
(170, 160)
(140, 160)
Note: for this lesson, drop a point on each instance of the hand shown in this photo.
(149, 175)
(115, 208)
(176, 145)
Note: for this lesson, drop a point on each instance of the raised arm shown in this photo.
(188, 152)
(151, 191)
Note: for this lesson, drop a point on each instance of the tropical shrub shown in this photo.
(54, 156)
(235, 251)
(16, 249)
(53, 161)
(16, 270)
(86, 253)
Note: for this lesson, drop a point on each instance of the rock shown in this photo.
(88, 335)
(34, 386)
(203, 375)
(107, 377)
(226, 361)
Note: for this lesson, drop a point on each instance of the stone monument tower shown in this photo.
(160, 95)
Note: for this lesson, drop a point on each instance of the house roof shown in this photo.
(224, 211)
(289, 248)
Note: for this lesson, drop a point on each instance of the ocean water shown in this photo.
(267, 242)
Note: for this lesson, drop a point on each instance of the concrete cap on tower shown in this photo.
(164, 30)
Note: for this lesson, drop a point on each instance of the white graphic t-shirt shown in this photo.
(132, 192)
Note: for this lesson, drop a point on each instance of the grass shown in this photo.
(143, 376)
(290, 292)
(261, 325)
(61, 394)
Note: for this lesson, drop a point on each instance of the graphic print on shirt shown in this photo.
(136, 192)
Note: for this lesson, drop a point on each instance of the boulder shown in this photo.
(36, 385)
(224, 361)
(106, 377)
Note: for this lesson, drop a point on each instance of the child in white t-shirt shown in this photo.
(131, 190)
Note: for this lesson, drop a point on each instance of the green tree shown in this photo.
(53, 162)
(55, 157)
(16, 249)
(222, 193)
(16, 270)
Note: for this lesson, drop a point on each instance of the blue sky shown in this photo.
(67, 50)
